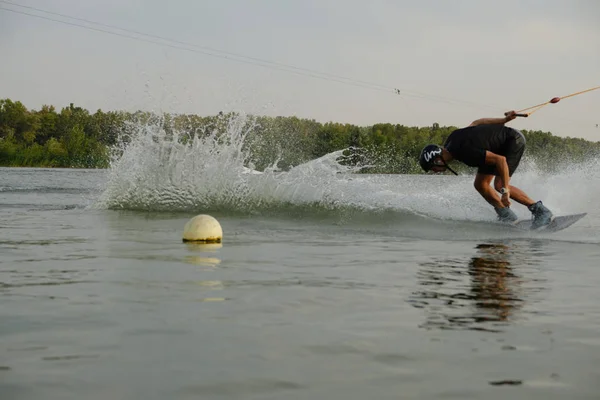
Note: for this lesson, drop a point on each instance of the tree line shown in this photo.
(75, 138)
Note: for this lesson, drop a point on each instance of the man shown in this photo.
(496, 151)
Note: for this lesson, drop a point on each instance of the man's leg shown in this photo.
(482, 185)
(514, 152)
(515, 193)
(541, 215)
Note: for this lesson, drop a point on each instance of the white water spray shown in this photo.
(161, 171)
(210, 171)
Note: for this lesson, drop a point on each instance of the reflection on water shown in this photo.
(484, 292)
(494, 285)
(203, 259)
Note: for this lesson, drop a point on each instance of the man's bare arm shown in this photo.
(492, 121)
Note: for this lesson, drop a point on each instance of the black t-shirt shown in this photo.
(470, 144)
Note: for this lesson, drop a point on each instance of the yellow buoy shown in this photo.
(203, 228)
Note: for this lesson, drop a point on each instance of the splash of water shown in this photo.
(159, 170)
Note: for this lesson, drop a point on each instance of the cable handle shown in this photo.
(518, 115)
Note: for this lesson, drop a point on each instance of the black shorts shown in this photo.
(513, 151)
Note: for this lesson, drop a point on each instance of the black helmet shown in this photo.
(428, 154)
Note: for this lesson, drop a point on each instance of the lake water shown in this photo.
(327, 285)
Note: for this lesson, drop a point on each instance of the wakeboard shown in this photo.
(558, 223)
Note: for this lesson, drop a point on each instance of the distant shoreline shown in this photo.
(74, 138)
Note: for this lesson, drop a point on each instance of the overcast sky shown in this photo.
(465, 59)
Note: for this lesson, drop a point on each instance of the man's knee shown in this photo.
(480, 185)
